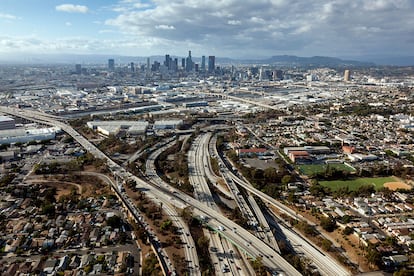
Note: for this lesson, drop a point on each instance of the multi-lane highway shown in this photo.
(325, 264)
(222, 259)
(249, 208)
(189, 246)
(240, 237)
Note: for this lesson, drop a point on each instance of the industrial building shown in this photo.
(113, 127)
(22, 135)
(167, 124)
(7, 123)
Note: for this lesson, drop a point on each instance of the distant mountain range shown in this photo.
(316, 61)
(282, 60)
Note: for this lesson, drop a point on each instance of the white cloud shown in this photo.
(164, 27)
(249, 27)
(72, 8)
(68, 24)
(234, 22)
(7, 16)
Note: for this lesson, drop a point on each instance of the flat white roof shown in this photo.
(4, 118)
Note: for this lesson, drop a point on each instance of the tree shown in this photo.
(270, 174)
(347, 231)
(373, 256)
(259, 267)
(328, 224)
(114, 221)
(326, 244)
(366, 190)
(287, 179)
(319, 190)
(292, 198)
(203, 242)
(166, 225)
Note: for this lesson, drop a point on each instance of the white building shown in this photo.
(27, 135)
(167, 124)
(7, 123)
(113, 127)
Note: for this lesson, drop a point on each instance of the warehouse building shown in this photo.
(7, 122)
(22, 135)
(114, 127)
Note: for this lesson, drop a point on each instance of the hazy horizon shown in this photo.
(228, 28)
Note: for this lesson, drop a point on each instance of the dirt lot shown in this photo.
(397, 185)
(86, 186)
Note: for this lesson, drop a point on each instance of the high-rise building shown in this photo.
(132, 67)
(148, 64)
(175, 65)
(261, 73)
(78, 69)
(347, 75)
(167, 62)
(277, 74)
(203, 63)
(183, 62)
(111, 64)
(211, 64)
(189, 63)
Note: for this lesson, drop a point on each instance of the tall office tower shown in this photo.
(183, 62)
(203, 63)
(156, 66)
(167, 62)
(111, 64)
(175, 65)
(78, 69)
(347, 75)
(148, 64)
(211, 64)
(196, 67)
(189, 63)
(261, 73)
(277, 74)
(132, 67)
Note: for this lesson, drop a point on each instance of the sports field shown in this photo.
(315, 169)
(354, 184)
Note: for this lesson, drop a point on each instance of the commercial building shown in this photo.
(203, 63)
(308, 149)
(22, 135)
(211, 64)
(113, 127)
(189, 65)
(167, 124)
(78, 69)
(252, 152)
(195, 104)
(347, 75)
(7, 123)
(111, 64)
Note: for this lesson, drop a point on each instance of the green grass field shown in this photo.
(354, 184)
(314, 169)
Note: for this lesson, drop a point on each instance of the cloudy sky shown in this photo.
(231, 28)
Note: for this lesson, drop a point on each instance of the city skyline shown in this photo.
(254, 29)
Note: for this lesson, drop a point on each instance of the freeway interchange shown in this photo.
(229, 237)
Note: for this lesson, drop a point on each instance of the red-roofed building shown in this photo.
(300, 157)
(348, 149)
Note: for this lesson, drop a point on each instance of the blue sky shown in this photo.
(232, 28)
